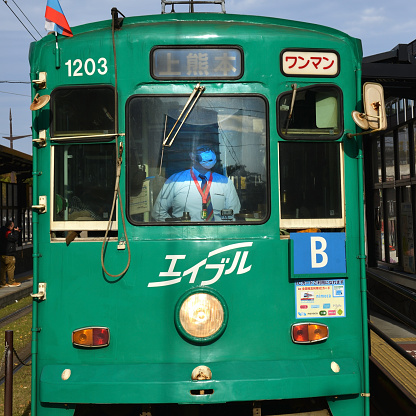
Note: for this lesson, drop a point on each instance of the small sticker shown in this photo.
(320, 299)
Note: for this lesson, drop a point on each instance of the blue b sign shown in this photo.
(322, 253)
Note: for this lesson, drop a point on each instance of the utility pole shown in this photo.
(11, 137)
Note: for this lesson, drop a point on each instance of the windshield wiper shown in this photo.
(193, 98)
(292, 104)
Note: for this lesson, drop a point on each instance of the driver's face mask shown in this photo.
(206, 157)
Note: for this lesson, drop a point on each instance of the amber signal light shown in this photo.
(307, 333)
(91, 337)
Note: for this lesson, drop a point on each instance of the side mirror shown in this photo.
(373, 96)
(374, 116)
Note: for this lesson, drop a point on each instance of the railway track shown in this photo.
(23, 356)
(392, 368)
(8, 319)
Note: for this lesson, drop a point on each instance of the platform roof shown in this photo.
(395, 70)
(14, 161)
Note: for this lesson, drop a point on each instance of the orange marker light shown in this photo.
(309, 332)
(92, 337)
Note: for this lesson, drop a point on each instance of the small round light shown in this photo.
(201, 316)
(66, 374)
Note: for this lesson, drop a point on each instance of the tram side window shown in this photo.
(222, 138)
(310, 112)
(79, 111)
(310, 185)
(84, 180)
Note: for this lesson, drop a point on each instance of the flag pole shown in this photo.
(57, 53)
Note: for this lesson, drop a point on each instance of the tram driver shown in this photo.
(197, 191)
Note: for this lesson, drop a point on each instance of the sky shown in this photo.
(380, 25)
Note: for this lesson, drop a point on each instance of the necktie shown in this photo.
(208, 206)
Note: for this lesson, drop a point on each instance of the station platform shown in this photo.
(9, 295)
(404, 336)
(393, 363)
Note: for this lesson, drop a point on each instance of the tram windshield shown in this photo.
(212, 170)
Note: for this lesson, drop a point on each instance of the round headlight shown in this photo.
(201, 316)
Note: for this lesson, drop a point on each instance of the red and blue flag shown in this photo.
(55, 19)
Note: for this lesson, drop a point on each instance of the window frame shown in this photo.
(321, 223)
(307, 137)
(101, 137)
(77, 225)
(193, 223)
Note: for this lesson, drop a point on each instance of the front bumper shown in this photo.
(171, 383)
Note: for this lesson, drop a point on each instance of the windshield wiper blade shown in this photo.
(193, 98)
(292, 104)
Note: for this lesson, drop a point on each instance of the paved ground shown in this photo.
(9, 295)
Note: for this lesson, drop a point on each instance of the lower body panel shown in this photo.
(171, 383)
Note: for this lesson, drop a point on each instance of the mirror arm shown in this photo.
(351, 135)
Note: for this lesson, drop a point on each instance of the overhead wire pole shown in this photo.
(11, 137)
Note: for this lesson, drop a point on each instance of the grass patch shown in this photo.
(21, 393)
(15, 306)
(22, 332)
(22, 379)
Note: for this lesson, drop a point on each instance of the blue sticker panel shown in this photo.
(320, 299)
(322, 253)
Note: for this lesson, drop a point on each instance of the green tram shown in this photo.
(198, 220)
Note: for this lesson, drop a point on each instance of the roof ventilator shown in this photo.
(191, 4)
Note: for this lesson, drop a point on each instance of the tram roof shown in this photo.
(211, 17)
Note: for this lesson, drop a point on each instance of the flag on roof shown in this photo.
(55, 19)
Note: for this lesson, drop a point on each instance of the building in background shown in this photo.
(16, 200)
(390, 163)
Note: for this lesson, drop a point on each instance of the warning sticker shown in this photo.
(320, 299)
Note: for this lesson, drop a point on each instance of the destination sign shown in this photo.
(196, 63)
(310, 63)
